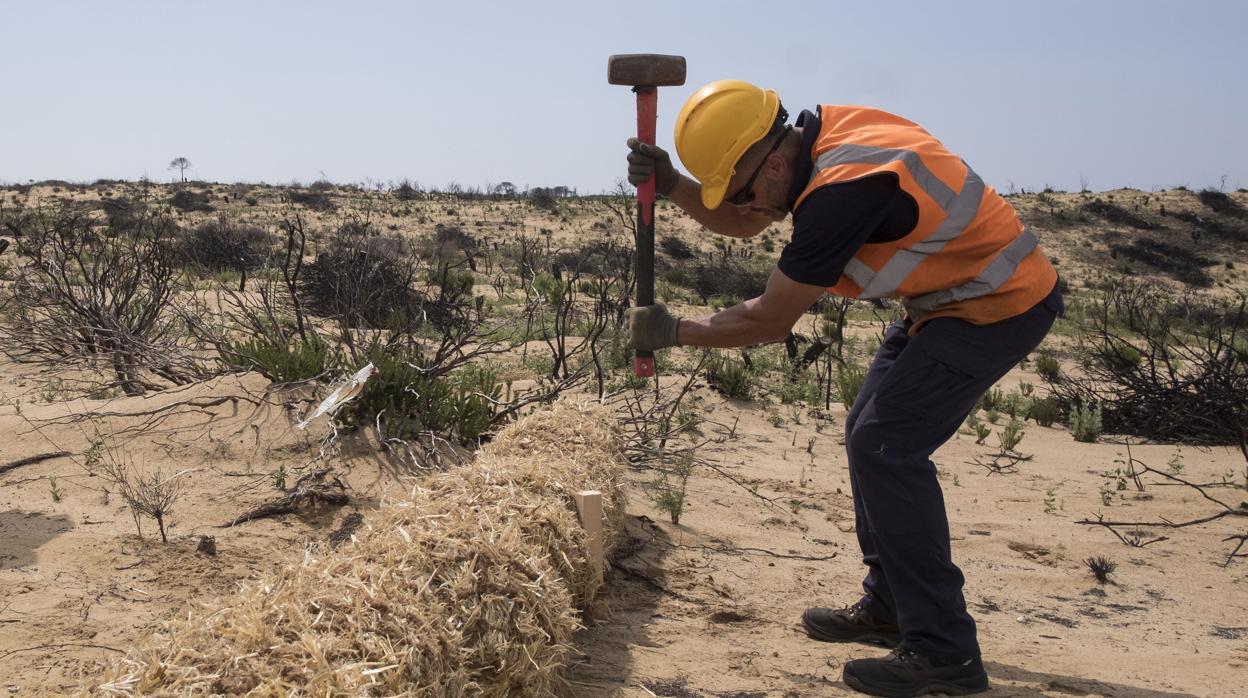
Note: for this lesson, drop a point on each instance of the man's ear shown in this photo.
(777, 163)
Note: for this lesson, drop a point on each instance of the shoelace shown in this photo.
(903, 656)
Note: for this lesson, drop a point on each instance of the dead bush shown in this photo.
(1221, 202)
(100, 293)
(364, 279)
(189, 201)
(315, 200)
(223, 244)
(1167, 366)
(1116, 214)
(1172, 260)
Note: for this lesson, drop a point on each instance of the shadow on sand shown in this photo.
(22, 532)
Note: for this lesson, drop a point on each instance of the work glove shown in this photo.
(646, 161)
(650, 328)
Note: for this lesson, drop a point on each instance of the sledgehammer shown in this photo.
(645, 72)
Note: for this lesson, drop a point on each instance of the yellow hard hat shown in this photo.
(715, 128)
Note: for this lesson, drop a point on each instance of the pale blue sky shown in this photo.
(1123, 93)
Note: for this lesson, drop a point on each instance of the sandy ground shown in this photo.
(710, 607)
(705, 608)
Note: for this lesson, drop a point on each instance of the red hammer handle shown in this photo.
(647, 115)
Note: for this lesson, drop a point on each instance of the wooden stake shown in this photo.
(589, 509)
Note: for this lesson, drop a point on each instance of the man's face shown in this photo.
(754, 187)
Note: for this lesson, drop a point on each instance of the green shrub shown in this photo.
(1085, 423)
(411, 400)
(1044, 411)
(731, 378)
(280, 361)
(798, 387)
(1121, 356)
(1013, 404)
(849, 379)
(1048, 368)
(669, 487)
(1010, 436)
(994, 399)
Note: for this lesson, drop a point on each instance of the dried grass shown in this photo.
(468, 587)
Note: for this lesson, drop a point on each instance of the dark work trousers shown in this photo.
(916, 394)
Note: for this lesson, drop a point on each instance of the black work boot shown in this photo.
(903, 674)
(853, 624)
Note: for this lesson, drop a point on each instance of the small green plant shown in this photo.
(1122, 356)
(992, 399)
(1013, 404)
(1050, 500)
(1010, 436)
(1107, 493)
(688, 421)
(1044, 411)
(1025, 388)
(670, 486)
(279, 477)
(1175, 464)
(1049, 368)
(776, 420)
(1085, 423)
(982, 431)
(56, 491)
(94, 454)
(993, 416)
(797, 387)
(849, 380)
(730, 378)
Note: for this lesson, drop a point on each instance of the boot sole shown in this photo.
(964, 687)
(874, 638)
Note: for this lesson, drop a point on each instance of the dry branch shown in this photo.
(31, 460)
(312, 488)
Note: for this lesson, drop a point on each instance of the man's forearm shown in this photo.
(725, 220)
(739, 326)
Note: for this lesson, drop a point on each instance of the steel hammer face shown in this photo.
(645, 70)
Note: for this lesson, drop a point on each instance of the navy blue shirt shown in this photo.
(835, 220)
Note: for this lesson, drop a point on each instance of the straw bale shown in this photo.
(468, 587)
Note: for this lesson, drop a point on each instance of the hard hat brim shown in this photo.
(713, 194)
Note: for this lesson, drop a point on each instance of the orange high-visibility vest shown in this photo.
(969, 256)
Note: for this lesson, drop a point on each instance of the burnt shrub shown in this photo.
(1167, 366)
(676, 248)
(451, 244)
(313, 200)
(120, 212)
(188, 200)
(406, 192)
(1116, 214)
(1175, 261)
(1213, 227)
(728, 278)
(1221, 203)
(222, 244)
(543, 199)
(602, 258)
(363, 279)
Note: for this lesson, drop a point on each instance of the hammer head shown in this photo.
(645, 70)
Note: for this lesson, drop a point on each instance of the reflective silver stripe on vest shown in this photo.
(998, 271)
(960, 209)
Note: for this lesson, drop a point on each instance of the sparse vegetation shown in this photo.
(1101, 567)
(730, 377)
(1085, 423)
